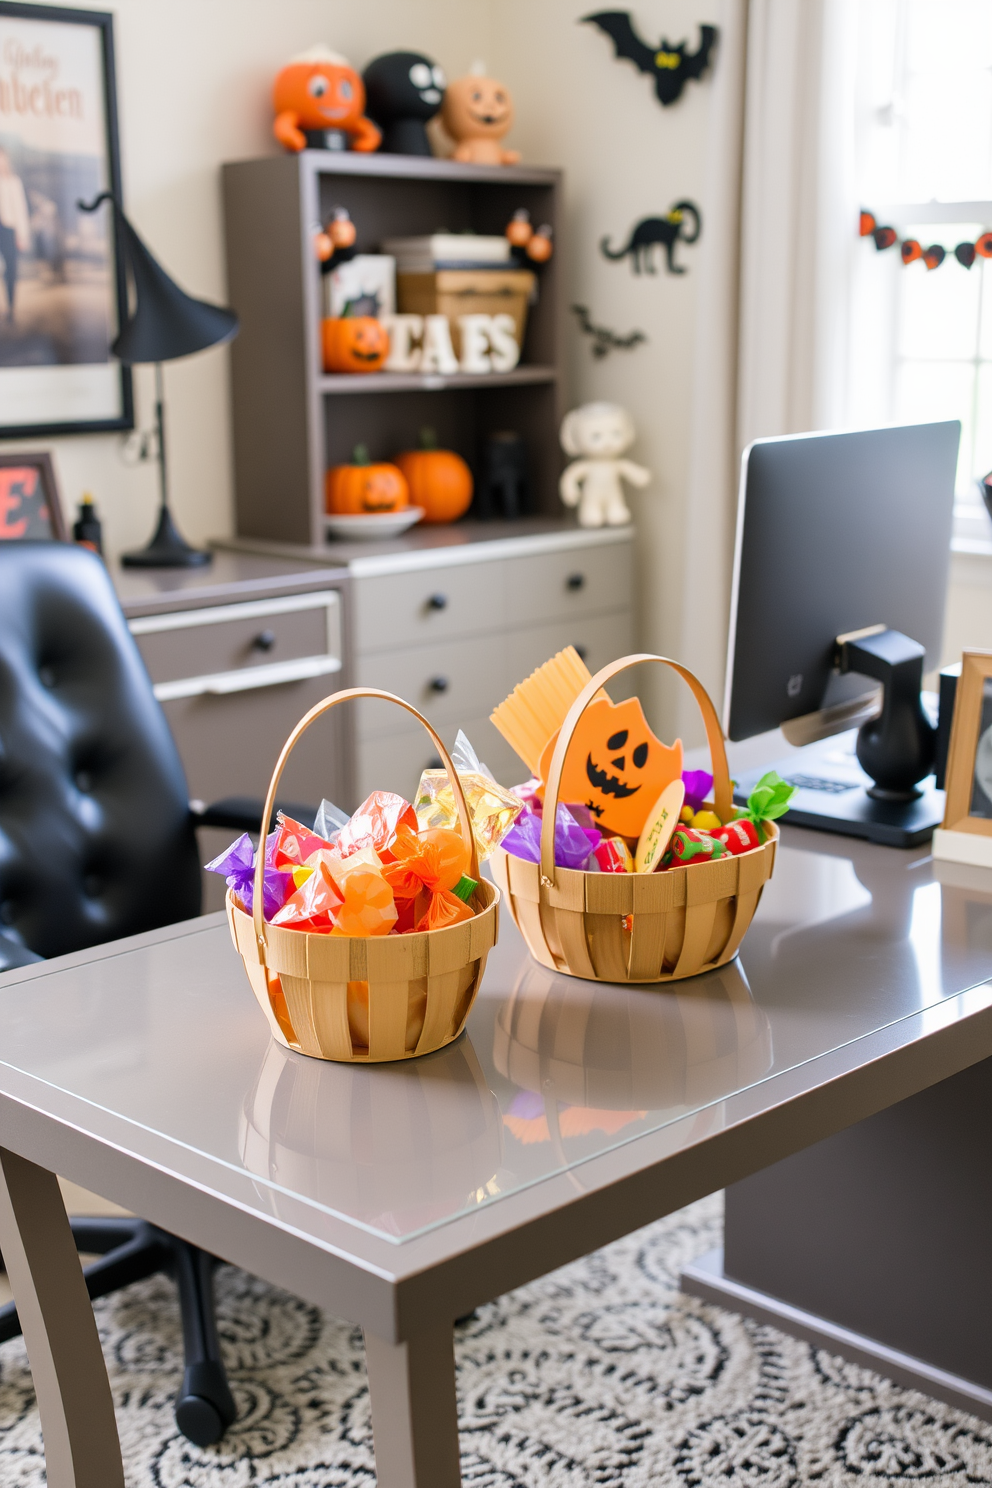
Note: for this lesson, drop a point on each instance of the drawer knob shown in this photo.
(264, 641)
(438, 602)
(583, 652)
(439, 684)
(575, 581)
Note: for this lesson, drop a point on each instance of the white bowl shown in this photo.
(365, 525)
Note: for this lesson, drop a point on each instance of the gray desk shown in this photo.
(401, 1197)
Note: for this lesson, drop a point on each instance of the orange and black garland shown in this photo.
(932, 257)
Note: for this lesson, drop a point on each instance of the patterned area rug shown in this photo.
(601, 1374)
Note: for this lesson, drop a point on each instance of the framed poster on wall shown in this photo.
(62, 287)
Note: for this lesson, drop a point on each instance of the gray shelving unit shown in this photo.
(290, 421)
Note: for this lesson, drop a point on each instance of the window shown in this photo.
(923, 338)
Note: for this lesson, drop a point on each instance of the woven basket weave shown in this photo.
(684, 920)
(366, 999)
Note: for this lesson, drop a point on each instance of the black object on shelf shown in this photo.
(503, 488)
(86, 529)
(403, 90)
(166, 323)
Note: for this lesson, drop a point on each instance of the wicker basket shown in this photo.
(683, 921)
(407, 994)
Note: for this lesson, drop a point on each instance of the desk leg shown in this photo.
(414, 1412)
(82, 1448)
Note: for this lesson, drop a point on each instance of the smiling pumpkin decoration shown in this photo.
(477, 111)
(615, 765)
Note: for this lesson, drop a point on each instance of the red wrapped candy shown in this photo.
(738, 836)
(295, 843)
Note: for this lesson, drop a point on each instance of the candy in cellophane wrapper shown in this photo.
(329, 820)
(369, 907)
(375, 824)
(573, 843)
(434, 859)
(315, 905)
(612, 856)
(295, 843)
(491, 808)
(444, 909)
(237, 863)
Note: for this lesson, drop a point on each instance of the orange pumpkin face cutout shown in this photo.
(615, 765)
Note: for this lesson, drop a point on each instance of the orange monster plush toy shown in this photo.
(320, 105)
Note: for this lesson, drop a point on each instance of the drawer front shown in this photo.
(451, 680)
(435, 604)
(395, 762)
(268, 636)
(583, 581)
(229, 745)
(598, 639)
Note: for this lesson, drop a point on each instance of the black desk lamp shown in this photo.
(166, 323)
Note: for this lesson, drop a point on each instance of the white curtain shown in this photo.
(771, 348)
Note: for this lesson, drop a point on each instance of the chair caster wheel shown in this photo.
(204, 1406)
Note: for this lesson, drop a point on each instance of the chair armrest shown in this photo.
(244, 813)
(13, 954)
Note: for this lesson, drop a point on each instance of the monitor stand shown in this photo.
(880, 786)
(832, 796)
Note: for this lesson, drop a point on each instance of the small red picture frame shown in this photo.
(29, 499)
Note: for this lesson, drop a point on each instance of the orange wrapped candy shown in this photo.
(375, 824)
(445, 909)
(434, 859)
(315, 904)
(368, 907)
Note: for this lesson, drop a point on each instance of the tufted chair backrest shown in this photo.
(96, 839)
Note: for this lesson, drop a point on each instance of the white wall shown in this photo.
(193, 86)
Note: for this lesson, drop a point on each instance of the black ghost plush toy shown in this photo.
(403, 90)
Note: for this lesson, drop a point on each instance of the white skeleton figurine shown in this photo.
(600, 433)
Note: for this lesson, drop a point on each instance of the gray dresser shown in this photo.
(449, 619)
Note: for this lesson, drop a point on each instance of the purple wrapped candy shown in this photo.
(698, 784)
(237, 863)
(573, 843)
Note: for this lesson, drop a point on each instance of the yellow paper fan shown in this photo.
(536, 708)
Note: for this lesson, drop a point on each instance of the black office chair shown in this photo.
(97, 841)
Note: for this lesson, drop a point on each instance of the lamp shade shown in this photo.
(165, 322)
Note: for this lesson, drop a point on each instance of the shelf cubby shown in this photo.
(291, 420)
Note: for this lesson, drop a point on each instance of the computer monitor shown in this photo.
(838, 533)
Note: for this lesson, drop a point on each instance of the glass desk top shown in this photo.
(849, 938)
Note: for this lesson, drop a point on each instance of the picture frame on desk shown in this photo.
(29, 499)
(966, 833)
(63, 294)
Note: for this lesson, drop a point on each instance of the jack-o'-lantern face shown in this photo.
(323, 95)
(477, 108)
(615, 765)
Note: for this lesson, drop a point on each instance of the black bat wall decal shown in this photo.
(670, 66)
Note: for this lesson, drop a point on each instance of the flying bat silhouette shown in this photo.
(670, 66)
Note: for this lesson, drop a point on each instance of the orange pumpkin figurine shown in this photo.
(363, 487)
(319, 102)
(439, 480)
(354, 343)
(615, 765)
(477, 112)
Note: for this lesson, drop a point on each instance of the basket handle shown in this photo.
(722, 789)
(325, 706)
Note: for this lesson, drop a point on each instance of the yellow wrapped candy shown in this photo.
(492, 808)
(706, 820)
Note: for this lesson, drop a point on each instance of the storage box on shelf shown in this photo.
(289, 421)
